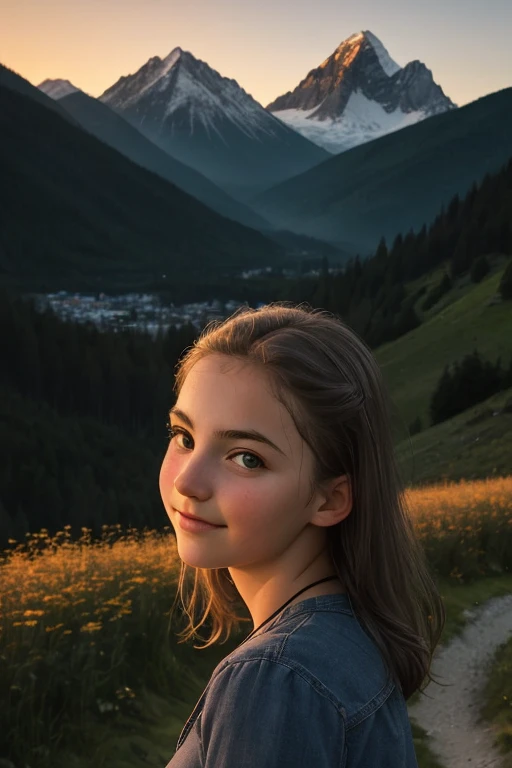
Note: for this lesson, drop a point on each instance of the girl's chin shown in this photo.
(196, 559)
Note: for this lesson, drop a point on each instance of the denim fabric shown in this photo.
(310, 690)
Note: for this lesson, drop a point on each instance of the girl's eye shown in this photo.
(175, 431)
(251, 461)
(251, 458)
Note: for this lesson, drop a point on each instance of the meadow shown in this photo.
(89, 657)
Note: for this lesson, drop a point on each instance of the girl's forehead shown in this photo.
(236, 388)
(228, 368)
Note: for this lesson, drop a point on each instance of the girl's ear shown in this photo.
(337, 504)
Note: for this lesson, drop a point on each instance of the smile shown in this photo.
(194, 525)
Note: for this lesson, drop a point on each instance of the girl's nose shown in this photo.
(193, 479)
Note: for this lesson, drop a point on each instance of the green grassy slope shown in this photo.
(413, 363)
(474, 444)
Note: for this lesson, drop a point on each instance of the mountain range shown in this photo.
(183, 125)
(214, 127)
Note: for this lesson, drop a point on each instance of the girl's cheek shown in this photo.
(168, 472)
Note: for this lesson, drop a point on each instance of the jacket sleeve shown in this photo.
(260, 713)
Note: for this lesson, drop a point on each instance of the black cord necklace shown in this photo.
(320, 581)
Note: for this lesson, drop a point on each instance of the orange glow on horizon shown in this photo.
(93, 44)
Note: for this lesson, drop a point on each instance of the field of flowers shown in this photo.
(85, 626)
(465, 527)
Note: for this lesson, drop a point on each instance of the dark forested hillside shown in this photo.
(371, 294)
(398, 181)
(83, 421)
(76, 213)
(11, 79)
(113, 130)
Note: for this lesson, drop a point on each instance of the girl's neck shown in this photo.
(263, 595)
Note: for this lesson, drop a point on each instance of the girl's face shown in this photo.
(235, 460)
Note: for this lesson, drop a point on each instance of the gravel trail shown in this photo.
(450, 715)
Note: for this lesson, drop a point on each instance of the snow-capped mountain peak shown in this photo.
(349, 48)
(389, 66)
(57, 89)
(208, 121)
(166, 87)
(162, 68)
(358, 94)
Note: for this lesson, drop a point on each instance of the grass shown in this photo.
(85, 641)
(474, 444)
(426, 758)
(144, 734)
(459, 598)
(497, 700)
(89, 664)
(465, 527)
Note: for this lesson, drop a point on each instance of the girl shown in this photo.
(281, 484)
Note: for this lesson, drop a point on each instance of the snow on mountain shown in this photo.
(190, 84)
(210, 123)
(57, 89)
(389, 66)
(363, 121)
(129, 90)
(358, 94)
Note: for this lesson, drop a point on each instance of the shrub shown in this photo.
(505, 286)
(480, 269)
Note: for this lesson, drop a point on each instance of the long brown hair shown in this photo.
(328, 379)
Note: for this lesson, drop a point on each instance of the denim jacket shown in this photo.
(309, 691)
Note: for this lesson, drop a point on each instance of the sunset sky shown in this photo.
(268, 46)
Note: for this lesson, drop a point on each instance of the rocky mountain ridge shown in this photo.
(358, 94)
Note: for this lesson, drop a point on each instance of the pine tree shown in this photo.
(463, 255)
(440, 407)
(382, 250)
(505, 286)
(415, 426)
(480, 269)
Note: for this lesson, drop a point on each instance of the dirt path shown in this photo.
(450, 715)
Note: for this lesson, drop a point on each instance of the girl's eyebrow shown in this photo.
(229, 434)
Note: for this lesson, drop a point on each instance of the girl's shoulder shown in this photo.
(321, 640)
(311, 689)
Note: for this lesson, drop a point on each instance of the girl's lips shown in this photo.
(194, 524)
